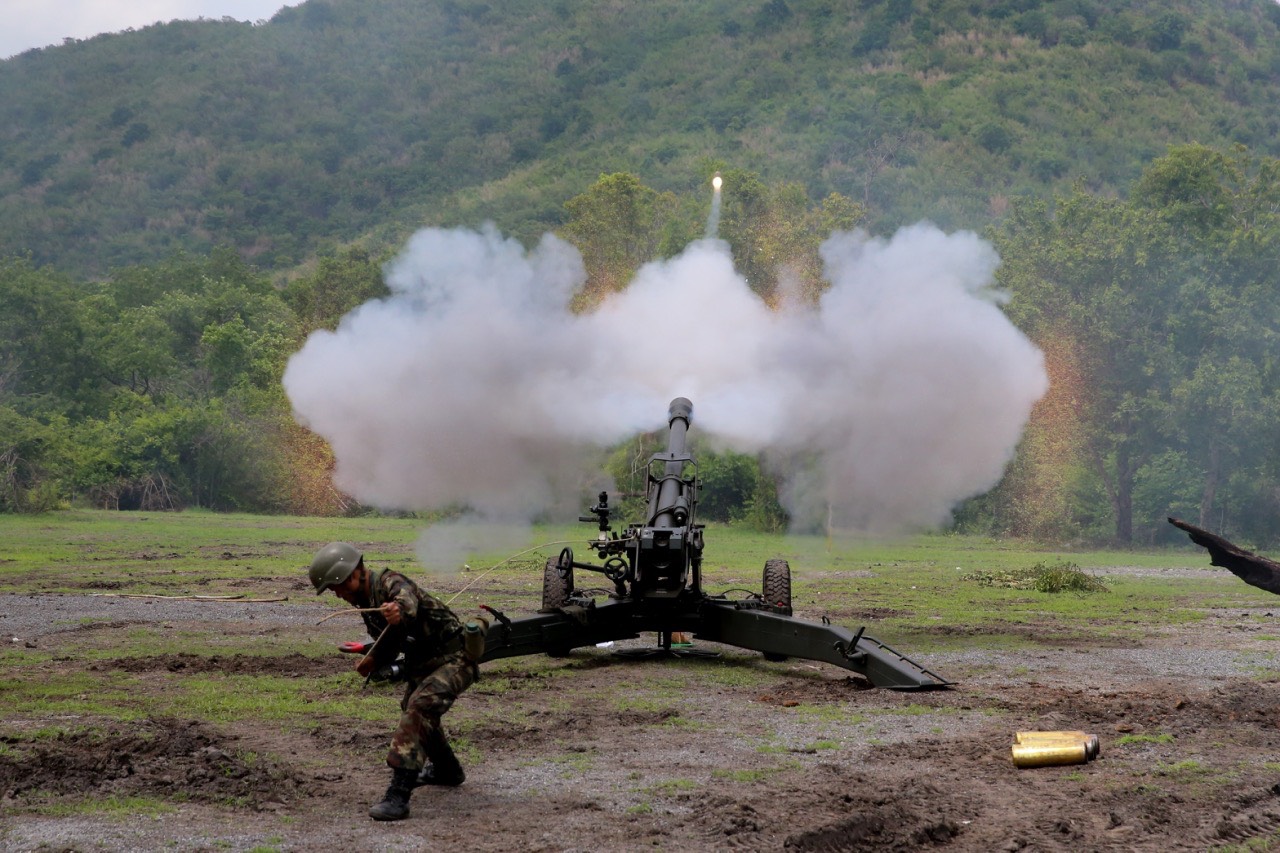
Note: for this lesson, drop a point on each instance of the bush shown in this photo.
(1042, 577)
(1167, 31)
(994, 137)
(32, 464)
(728, 483)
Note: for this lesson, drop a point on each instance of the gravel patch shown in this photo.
(1159, 572)
(28, 617)
(1103, 666)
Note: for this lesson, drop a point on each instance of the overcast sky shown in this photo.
(25, 24)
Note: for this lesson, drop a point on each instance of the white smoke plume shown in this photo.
(474, 386)
(909, 387)
(454, 391)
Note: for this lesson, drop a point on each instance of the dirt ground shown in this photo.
(597, 753)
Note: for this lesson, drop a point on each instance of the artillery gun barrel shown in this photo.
(668, 507)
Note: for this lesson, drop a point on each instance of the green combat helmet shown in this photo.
(333, 564)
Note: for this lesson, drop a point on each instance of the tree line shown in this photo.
(158, 387)
(1159, 320)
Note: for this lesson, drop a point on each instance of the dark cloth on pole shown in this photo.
(1251, 568)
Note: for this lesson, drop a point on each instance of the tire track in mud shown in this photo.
(1254, 814)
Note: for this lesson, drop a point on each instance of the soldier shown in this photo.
(403, 619)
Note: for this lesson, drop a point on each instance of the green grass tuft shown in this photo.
(670, 787)
(113, 806)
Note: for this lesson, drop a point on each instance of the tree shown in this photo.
(1224, 210)
(33, 461)
(1223, 415)
(1166, 31)
(618, 224)
(1095, 277)
(340, 282)
(135, 345)
(774, 233)
(1163, 307)
(728, 481)
(43, 359)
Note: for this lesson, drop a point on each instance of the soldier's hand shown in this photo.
(391, 612)
(364, 666)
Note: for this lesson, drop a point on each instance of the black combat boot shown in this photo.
(443, 767)
(434, 774)
(395, 804)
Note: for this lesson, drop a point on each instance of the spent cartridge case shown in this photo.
(1025, 736)
(1050, 753)
(1092, 747)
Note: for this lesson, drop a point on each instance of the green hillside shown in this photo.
(349, 120)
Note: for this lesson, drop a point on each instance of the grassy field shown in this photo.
(917, 592)
(920, 578)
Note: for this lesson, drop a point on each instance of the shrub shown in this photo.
(1042, 577)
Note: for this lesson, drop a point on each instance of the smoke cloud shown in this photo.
(903, 392)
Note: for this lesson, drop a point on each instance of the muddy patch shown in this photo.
(790, 692)
(159, 758)
(284, 666)
(913, 818)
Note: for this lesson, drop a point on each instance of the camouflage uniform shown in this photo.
(430, 636)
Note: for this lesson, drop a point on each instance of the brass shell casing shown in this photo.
(1021, 737)
(1060, 737)
(1050, 753)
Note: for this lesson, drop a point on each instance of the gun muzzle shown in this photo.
(680, 408)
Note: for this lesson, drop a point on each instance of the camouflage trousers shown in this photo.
(419, 738)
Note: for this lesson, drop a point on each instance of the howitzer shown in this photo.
(656, 571)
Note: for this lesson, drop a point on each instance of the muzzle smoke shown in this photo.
(903, 392)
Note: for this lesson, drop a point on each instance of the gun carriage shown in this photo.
(655, 568)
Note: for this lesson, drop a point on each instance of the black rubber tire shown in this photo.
(777, 591)
(556, 586)
(777, 584)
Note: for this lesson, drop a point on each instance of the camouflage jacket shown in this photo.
(428, 632)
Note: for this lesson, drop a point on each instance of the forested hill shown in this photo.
(342, 120)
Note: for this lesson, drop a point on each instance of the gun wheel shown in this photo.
(557, 586)
(777, 584)
(777, 592)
